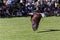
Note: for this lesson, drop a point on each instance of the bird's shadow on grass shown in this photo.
(51, 30)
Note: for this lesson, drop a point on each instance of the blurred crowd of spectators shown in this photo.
(17, 8)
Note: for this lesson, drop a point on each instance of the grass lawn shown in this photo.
(19, 28)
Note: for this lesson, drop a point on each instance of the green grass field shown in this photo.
(19, 28)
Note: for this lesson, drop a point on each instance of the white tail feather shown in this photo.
(30, 13)
(43, 15)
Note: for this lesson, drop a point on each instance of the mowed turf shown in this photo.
(19, 28)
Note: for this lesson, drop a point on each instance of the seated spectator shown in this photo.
(30, 7)
(16, 1)
(1, 2)
(19, 14)
(8, 2)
